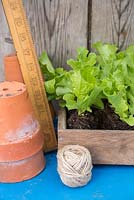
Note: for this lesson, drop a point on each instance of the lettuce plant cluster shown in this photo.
(94, 76)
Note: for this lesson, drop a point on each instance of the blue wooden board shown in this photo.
(108, 182)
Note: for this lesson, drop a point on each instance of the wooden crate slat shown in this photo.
(106, 146)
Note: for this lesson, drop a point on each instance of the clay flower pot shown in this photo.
(21, 170)
(20, 136)
(13, 73)
(12, 68)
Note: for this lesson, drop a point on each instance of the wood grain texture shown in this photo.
(59, 26)
(35, 16)
(106, 146)
(113, 21)
(6, 44)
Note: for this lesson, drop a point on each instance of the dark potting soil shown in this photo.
(97, 119)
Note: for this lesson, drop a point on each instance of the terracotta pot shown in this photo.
(13, 73)
(16, 107)
(12, 69)
(19, 149)
(21, 141)
(23, 169)
(19, 130)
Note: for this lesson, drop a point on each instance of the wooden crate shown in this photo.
(106, 146)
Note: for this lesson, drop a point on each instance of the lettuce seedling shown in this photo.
(93, 77)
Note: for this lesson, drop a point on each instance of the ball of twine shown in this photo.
(74, 165)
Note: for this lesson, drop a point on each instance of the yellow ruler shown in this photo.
(23, 43)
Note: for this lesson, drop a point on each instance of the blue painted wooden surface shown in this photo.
(108, 182)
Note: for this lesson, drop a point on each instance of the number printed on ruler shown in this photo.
(19, 23)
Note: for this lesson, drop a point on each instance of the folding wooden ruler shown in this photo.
(23, 43)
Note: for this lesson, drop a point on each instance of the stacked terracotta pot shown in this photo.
(12, 69)
(13, 73)
(21, 142)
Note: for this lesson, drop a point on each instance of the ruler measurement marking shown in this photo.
(47, 111)
(39, 98)
(27, 52)
(25, 56)
(44, 101)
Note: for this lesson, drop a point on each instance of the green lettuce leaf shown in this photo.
(93, 77)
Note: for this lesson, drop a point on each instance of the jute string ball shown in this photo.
(74, 165)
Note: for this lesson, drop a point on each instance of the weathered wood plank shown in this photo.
(6, 44)
(59, 26)
(113, 21)
(35, 15)
(106, 146)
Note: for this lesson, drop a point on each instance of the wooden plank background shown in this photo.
(60, 26)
